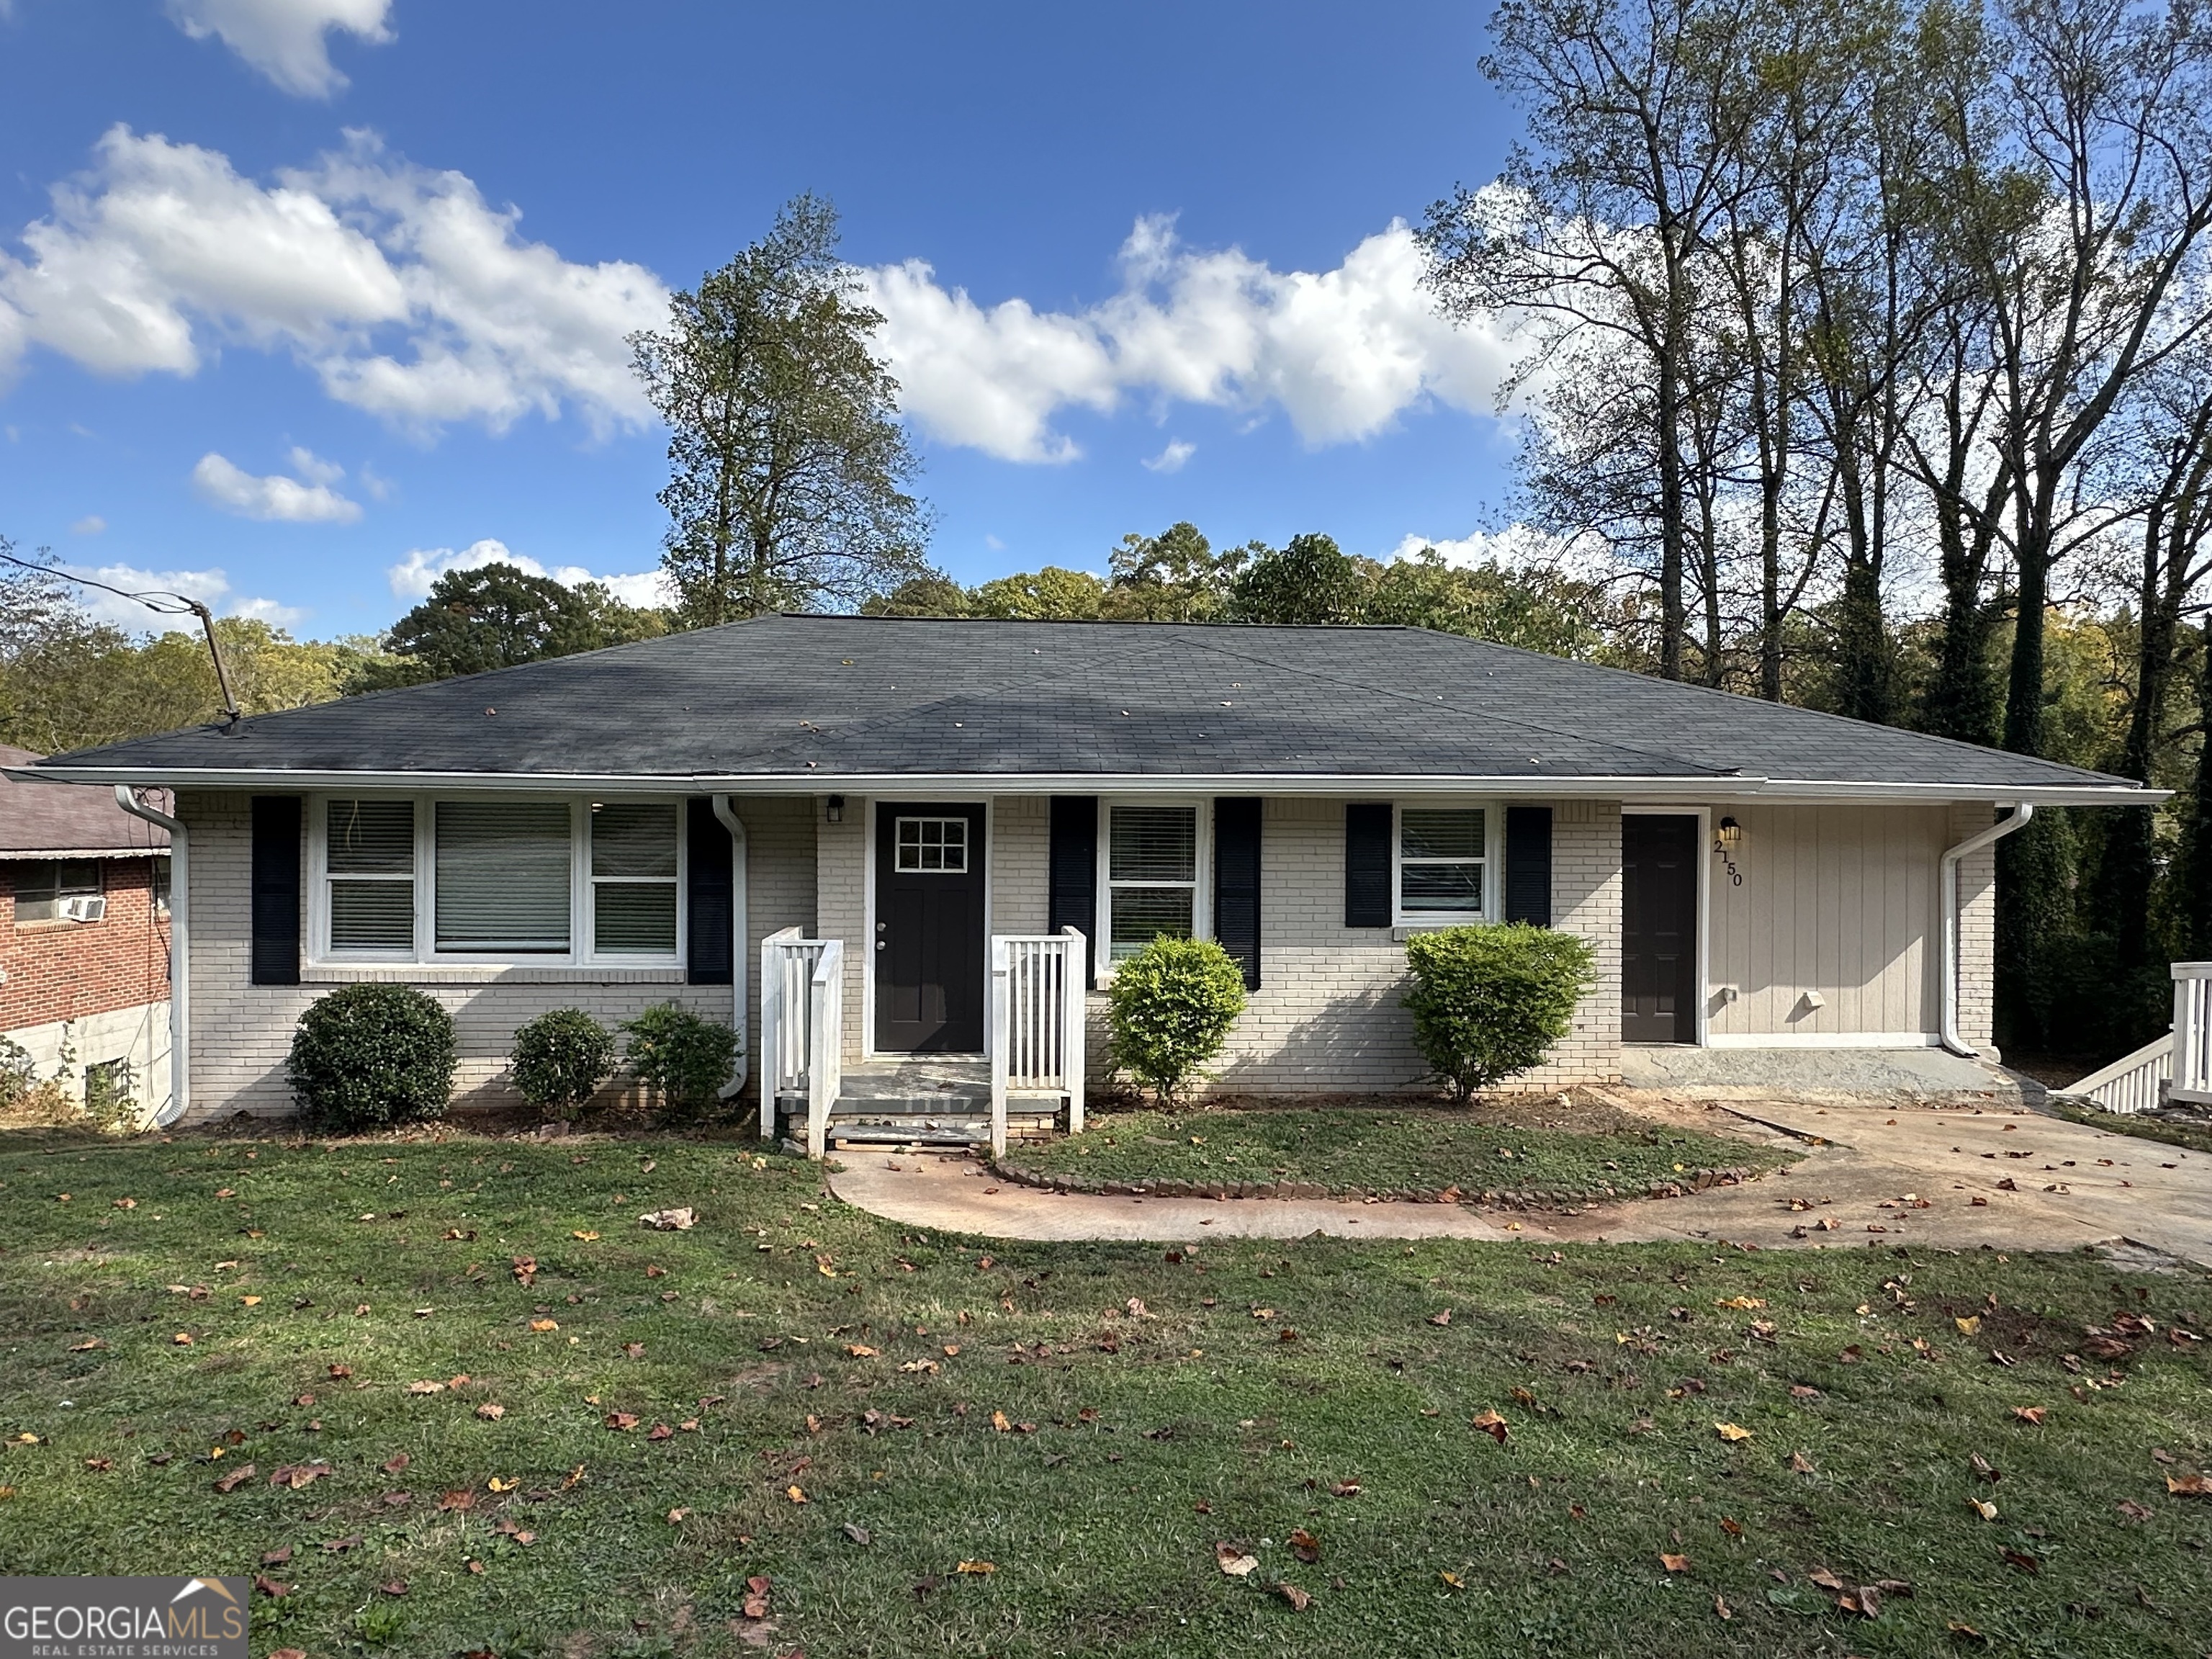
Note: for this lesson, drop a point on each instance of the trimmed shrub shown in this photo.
(1489, 1001)
(1169, 1009)
(366, 1055)
(681, 1058)
(560, 1060)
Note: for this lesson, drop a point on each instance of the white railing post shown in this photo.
(825, 1034)
(775, 1014)
(2192, 1040)
(1071, 964)
(1001, 1036)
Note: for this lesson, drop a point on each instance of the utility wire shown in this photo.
(161, 602)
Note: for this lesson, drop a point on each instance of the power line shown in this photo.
(160, 602)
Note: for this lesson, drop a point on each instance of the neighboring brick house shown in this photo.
(84, 938)
(882, 826)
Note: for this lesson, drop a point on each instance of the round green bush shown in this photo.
(1169, 1011)
(1489, 1001)
(372, 1055)
(681, 1058)
(560, 1060)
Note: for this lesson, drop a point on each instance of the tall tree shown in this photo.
(1309, 581)
(789, 469)
(1599, 224)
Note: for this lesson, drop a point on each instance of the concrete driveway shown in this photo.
(1891, 1172)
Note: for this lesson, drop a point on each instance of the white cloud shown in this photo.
(1343, 353)
(406, 293)
(1171, 458)
(277, 497)
(91, 524)
(1517, 546)
(210, 587)
(283, 39)
(412, 577)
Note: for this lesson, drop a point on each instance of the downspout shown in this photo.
(730, 821)
(1947, 882)
(180, 979)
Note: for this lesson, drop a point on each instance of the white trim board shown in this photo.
(1687, 790)
(1825, 1040)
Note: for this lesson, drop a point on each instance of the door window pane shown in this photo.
(939, 844)
(503, 871)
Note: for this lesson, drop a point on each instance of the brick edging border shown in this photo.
(1690, 1180)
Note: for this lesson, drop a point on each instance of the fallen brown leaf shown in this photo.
(1490, 1423)
(1674, 1563)
(1304, 1546)
(1234, 1561)
(236, 1479)
(1299, 1599)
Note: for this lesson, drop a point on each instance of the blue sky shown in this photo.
(302, 300)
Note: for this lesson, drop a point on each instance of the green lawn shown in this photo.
(1536, 1145)
(1156, 1403)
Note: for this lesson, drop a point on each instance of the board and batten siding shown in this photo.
(1838, 901)
(242, 1032)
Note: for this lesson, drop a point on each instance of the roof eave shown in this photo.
(1661, 788)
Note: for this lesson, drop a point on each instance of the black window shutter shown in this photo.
(1074, 872)
(1367, 864)
(1236, 882)
(1528, 865)
(710, 896)
(275, 897)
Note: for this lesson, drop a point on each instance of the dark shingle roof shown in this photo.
(42, 819)
(826, 697)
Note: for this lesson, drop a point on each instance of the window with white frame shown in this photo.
(1151, 876)
(933, 844)
(369, 864)
(1444, 862)
(419, 879)
(634, 878)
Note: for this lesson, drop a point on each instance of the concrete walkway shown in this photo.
(954, 1193)
(1891, 1172)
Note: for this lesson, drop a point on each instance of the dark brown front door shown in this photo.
(1658, 928)
(929, 929)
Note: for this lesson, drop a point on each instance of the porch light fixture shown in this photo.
(837, 809)
(1730, 836)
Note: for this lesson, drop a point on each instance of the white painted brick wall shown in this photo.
(241, 1032)
(1978, 929)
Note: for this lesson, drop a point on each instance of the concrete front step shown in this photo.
(931, 1105)
(892, 1134)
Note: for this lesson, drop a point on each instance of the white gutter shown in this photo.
(180, 979)
(1946, 880)
(735, 826)
(1692, 788)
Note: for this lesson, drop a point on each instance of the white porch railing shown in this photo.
(2134, 1083)
(825, 1064)
(802, 1031)
(1037, 1024)
(2192, 1033)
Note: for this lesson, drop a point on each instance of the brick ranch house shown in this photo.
(865, 837)
(84, 937)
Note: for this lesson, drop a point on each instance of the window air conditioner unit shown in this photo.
(84, 907)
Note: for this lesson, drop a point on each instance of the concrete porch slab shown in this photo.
(1803, 1071)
